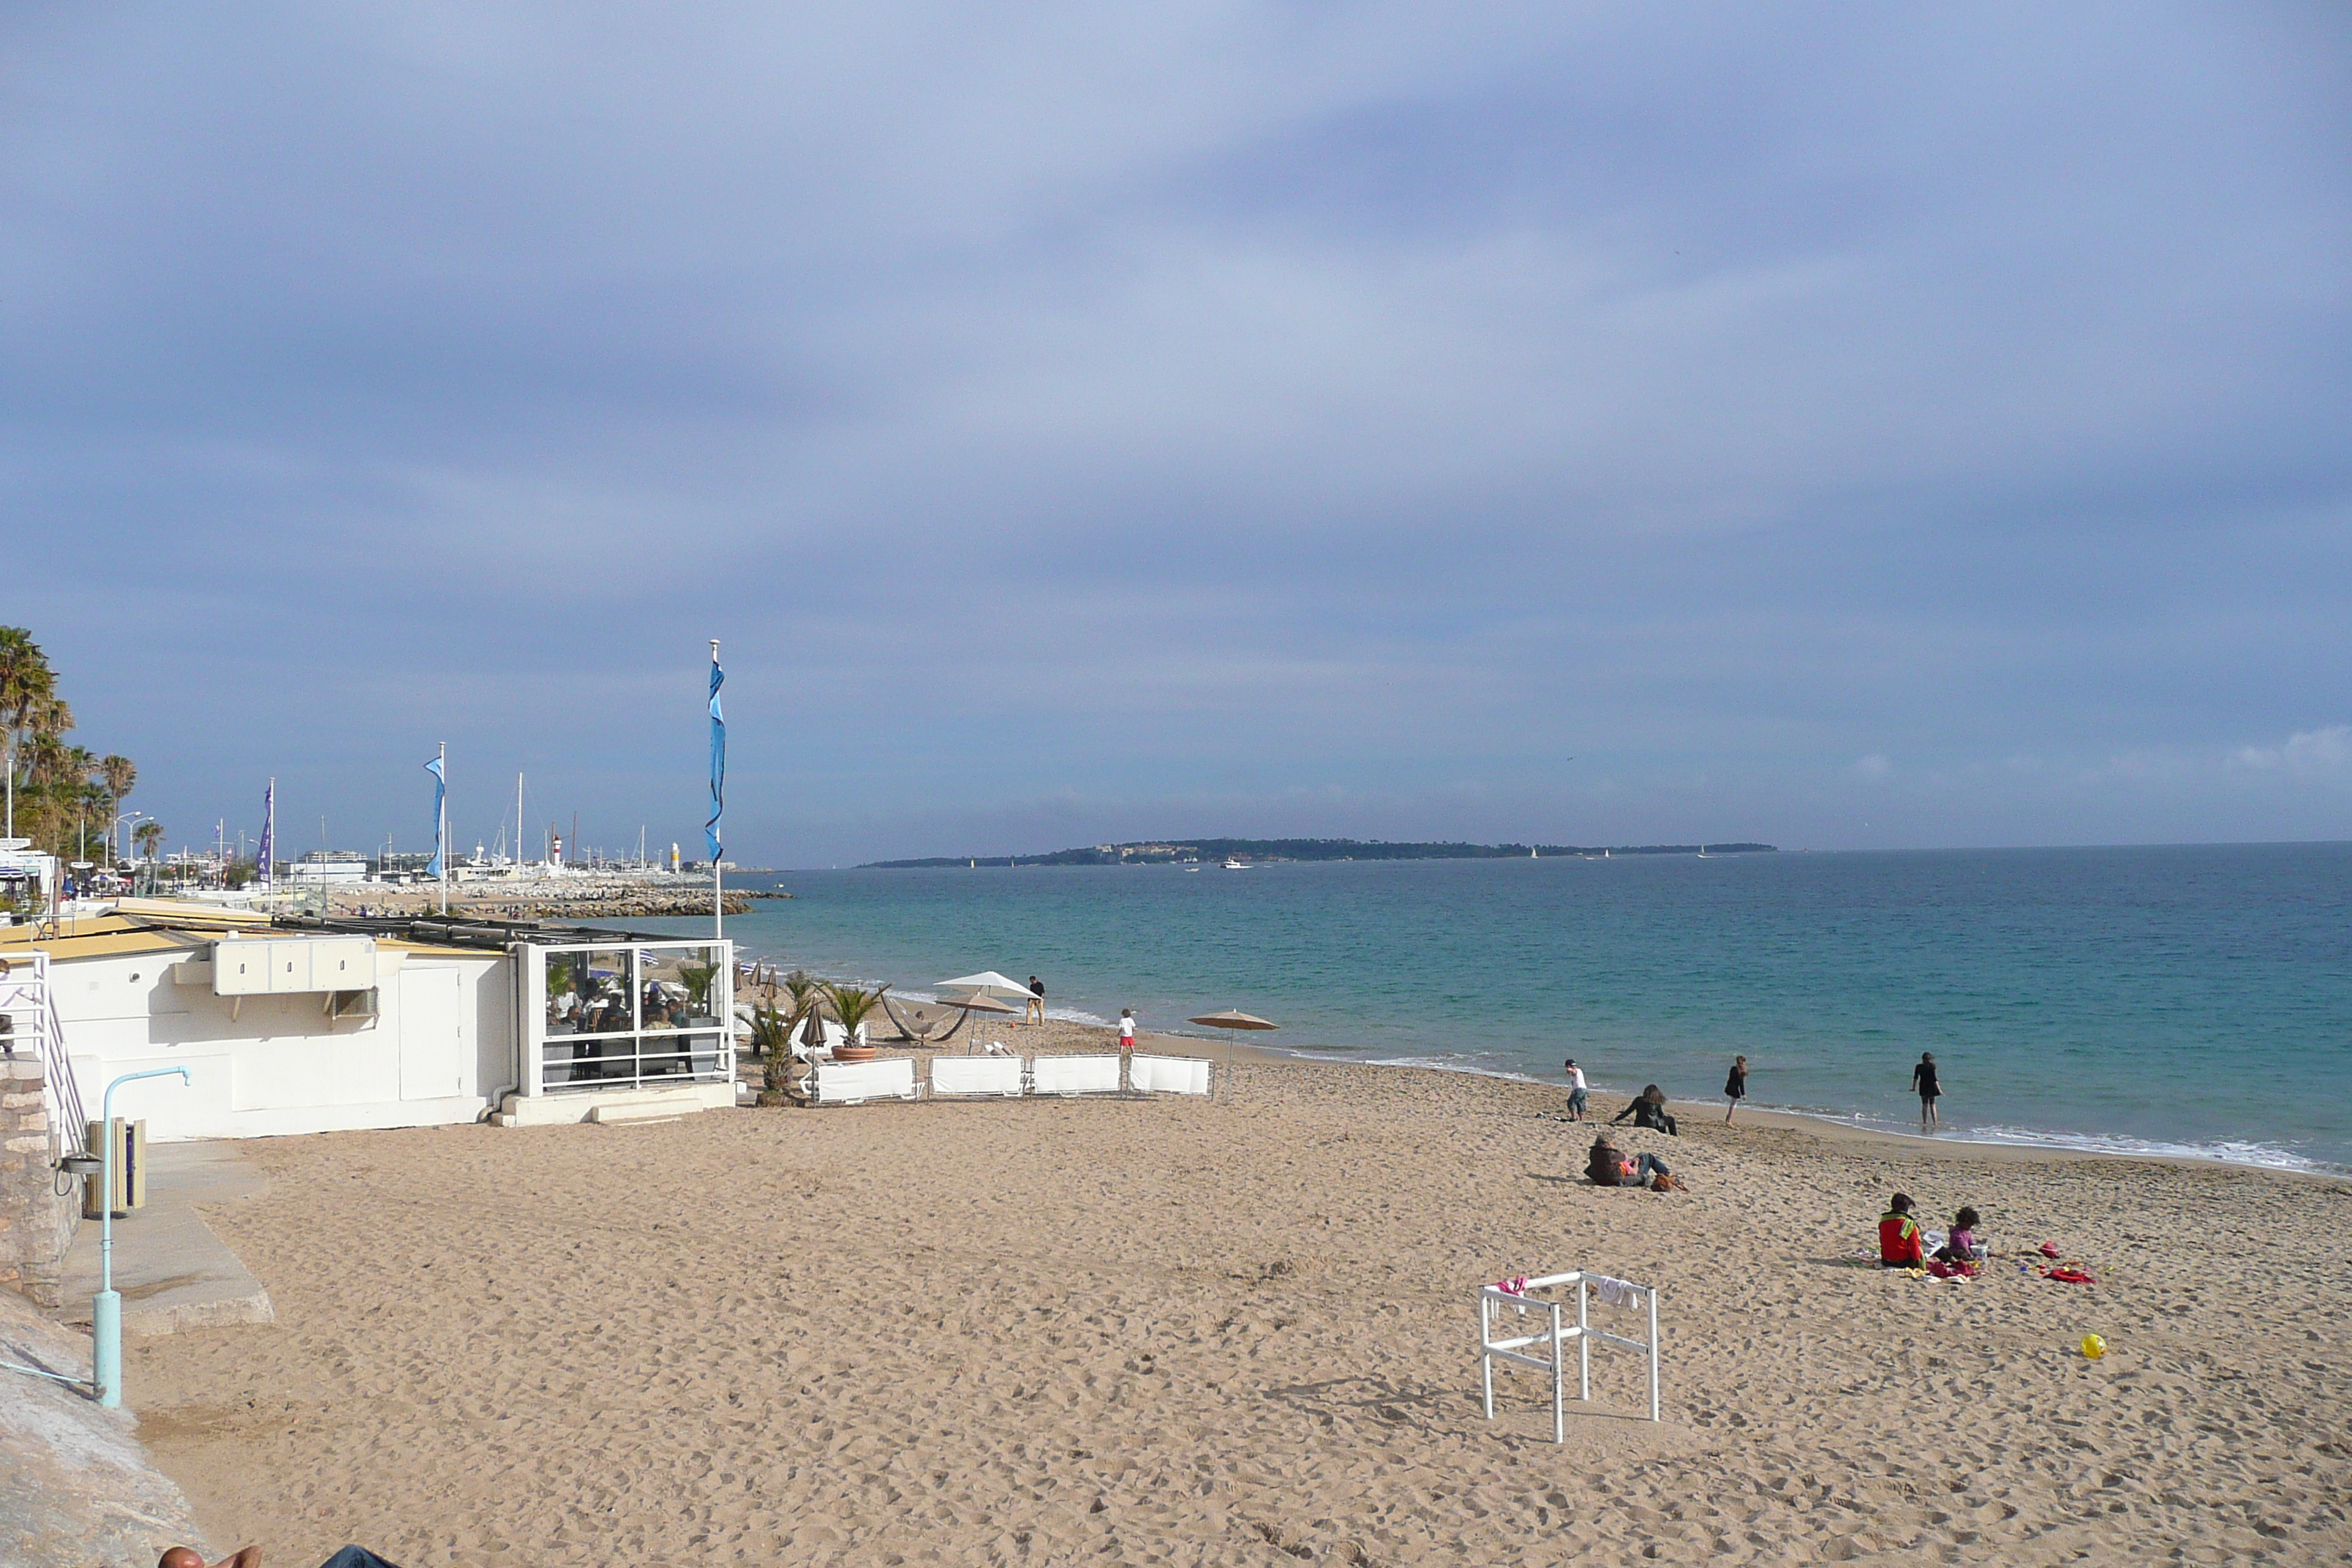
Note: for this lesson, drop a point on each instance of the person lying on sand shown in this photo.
(1649, 1110)
(1609, 1168)
(250, 1557)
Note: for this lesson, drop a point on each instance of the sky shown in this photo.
(1843, 426)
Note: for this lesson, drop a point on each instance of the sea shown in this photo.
(2184, 1001)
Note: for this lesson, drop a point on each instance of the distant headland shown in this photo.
(1259, 851)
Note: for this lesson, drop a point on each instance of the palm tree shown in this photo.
(852, 1007)
(26, 682)
(121, 774)
(149, 837)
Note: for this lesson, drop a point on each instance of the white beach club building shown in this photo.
(321, 1026)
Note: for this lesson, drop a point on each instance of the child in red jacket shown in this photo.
(1900, 1243)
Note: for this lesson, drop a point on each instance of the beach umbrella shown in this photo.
(1231, 1020)
(987, 983)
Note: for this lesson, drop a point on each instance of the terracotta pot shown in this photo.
(854, 1053)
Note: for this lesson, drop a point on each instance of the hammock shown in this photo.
(926, 1037)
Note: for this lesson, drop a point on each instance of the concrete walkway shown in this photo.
(172, 1271)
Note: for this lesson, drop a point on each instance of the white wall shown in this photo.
(441, 1051)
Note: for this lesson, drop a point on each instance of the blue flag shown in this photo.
(440, 793)
(710, 829)
(269, 818)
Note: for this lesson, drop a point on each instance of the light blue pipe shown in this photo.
(106, 1307)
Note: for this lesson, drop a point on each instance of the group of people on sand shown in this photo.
(1649, 1109)
(1903, 1245)
(1611, 1167)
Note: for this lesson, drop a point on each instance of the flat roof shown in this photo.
(157, 926)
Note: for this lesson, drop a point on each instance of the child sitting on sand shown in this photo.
(1900, 1244)
(1961, 1245)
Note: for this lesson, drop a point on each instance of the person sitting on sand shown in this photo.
(1961, 1245)
(1608, 1167)
(250, 1557)
(1900, 1243)
(1649, 1110)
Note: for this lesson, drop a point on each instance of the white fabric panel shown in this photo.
(976, 1074)
(846, 1083)
(1168, 1074)
(1074, 1075)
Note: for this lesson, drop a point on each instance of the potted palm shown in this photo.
(851, 1007)
(697, 979)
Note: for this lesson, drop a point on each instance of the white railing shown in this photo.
(30, 1004)
(1560, 1333)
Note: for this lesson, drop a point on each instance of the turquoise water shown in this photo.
(2190, 1000)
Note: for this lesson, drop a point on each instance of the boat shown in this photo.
(1236, 865)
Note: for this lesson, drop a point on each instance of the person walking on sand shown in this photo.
(1575, 1088)
(1735, 1087)
(1127, 1030)
(1923, 1079)
(1036, 1013)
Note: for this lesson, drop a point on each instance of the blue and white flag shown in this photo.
(440, 795)
(268, 819)
(711, 831)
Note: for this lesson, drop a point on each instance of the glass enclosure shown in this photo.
(631, 1015)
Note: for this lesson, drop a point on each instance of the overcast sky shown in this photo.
(1836, 425)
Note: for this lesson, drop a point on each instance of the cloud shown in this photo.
(1235, 406)
(2321, 751)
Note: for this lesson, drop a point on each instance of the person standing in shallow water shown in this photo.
(1923, 1079)
(1735, 1087)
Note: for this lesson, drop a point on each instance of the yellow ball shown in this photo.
(2093, 1347)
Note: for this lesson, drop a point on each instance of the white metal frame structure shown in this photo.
(1556, 1337)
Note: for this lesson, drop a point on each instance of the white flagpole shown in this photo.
(269, 872)
(717, 904)
(442, 827)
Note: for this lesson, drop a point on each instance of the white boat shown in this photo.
(1236, 865)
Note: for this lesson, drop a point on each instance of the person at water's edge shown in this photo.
(1923, 1079)
(1036, 1011)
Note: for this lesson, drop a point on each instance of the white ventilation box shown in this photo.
(293, 965)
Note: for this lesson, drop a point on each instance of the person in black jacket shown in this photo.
(1649, 1110)
(1923, 1079)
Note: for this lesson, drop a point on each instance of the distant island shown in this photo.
(1262, 850)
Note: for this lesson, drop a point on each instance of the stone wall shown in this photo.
(36, 1224)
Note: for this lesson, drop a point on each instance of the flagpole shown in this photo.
(441, 828)
(269, 872)
(718, 902)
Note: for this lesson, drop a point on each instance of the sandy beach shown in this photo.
(1243, 1332)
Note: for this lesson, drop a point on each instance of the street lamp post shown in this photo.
(106, 1309)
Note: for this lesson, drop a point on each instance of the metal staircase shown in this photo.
(29, 1005)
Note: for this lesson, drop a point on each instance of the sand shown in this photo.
(1242, 1332)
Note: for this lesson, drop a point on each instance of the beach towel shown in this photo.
(1517, 1285)
(1614, 1292)
(2067, 1274)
